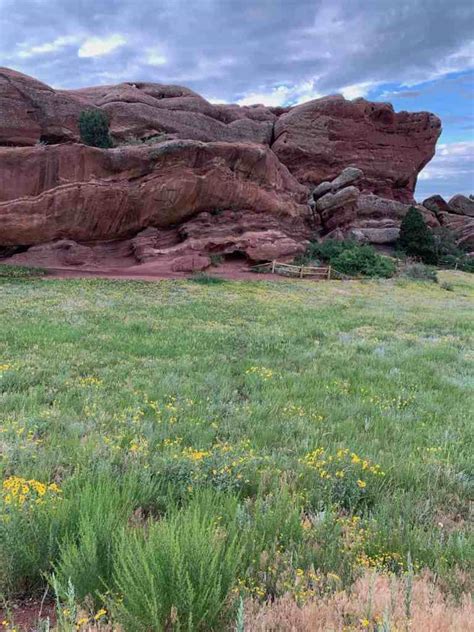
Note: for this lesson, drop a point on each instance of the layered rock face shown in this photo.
(88, 194)
(31, 111)
(457, 215)
(210, 179)
(346, 210)
(318, 139)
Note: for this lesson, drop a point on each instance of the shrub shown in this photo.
(457, 262)
(420, 272)
(205, 279)
(378, 602)
(98, 508)
(94, 129)
(445, 242)
(342, 479)
(179, 574)
(31, 513)
(349, 257)
(133, 140)
(216, 260)
(445, 285)
(416, 239)
(327, 250)
(363, 260)
(20, 272)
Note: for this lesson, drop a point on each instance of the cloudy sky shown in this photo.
(418, 54)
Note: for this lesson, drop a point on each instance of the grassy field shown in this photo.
(176, 454)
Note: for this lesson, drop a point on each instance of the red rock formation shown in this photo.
(89, 194)
(31, 111)
(143, 110)
(318, 139)
(457, 215)
(254, 163)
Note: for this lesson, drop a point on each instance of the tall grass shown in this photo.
(178, 573)
(209, 445)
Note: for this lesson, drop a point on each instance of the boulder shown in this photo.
(143, 110)
(333, 201)
(61, 253)
(462, 205)
(347, 176)
(318, 139)
(373, 206)
(436, 204)
(190, 263)
(31, 111)
(145, 244)
(430, 217)
(322, 189)
(257, 236)
(463, 228)
(375, 235)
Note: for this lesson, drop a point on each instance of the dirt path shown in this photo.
(155, 272)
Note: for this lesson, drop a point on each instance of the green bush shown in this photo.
(463, 263)
(325, 251)
(350, 257)
(416, 239)
(448, 253)
(20, 272)
(28, 542)
(445, 285)
(420, 272)
(94, 129)
(98, 509)
(216, 260)
(457, 262)
(205, 279)
(445, 242)
(365, 261)
(179, 574)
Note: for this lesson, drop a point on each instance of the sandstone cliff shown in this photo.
(219, 178)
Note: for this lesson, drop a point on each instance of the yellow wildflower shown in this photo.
(100, 613)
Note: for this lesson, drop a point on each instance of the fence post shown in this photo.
(273, 266)
(329, 273)
(301, 272)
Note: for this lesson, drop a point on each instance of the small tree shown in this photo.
(416, 239)
(94, 128)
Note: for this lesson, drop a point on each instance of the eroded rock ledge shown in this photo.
(211, 179)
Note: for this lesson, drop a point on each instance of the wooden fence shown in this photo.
(287, 269)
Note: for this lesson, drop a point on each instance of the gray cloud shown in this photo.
(272, 51)
(231, 48)
(451, 171)
(402, 94)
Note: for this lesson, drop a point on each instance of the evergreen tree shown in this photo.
(416, 239)
(94, 129)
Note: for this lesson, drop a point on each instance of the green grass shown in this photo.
(20, 272)
(214, 418)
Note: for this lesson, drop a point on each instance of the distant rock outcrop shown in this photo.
(201, 178)
(347, 211)
(457, 215)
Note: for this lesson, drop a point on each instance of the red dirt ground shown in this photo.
(236, 270)
(26, 614)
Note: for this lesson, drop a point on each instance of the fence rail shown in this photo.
(288, 269)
